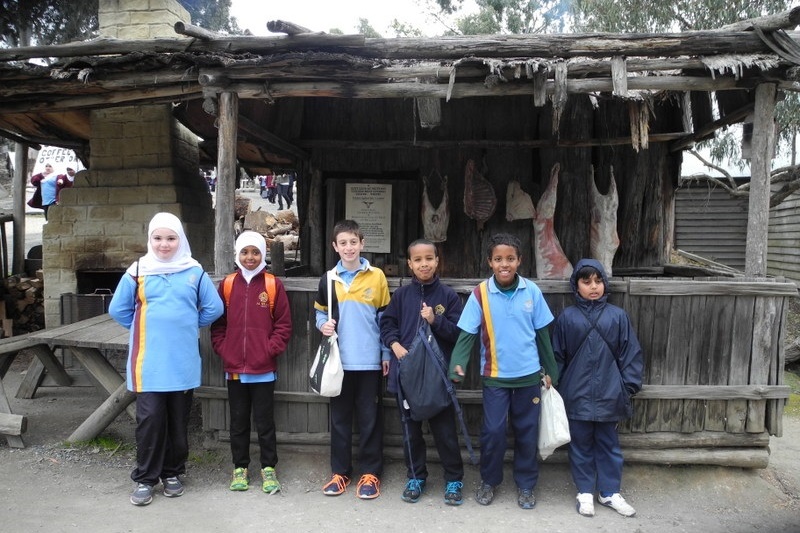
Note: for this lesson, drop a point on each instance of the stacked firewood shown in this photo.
(282, 226)
(23, 311)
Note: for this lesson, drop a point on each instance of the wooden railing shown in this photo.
(713, 369)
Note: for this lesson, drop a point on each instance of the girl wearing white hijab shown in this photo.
(249, 337)
(163, 298)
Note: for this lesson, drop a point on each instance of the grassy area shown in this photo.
(792, 379)
(103, 443)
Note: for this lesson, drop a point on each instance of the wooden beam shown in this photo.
(248, 126)
(480, 143)
(708, 130)
(470, 90)
(755, 261)
(315, 65)
(190, 30)
(283, 26)
(714, 392)
(100, 419)
(226, 181)
(11, 424)
(150, 95)
(230, 44)
(785, 20)
(692, 43)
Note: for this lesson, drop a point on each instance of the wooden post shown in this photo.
(18, 226)
(755, 260)
(277, 258)
(316, 225)
(226, 180)
(103, 415)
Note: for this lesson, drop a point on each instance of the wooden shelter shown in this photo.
(406, 116)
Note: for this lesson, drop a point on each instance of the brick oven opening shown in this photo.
(95, 288)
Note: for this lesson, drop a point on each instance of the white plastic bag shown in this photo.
(326, 374)
(553, 423)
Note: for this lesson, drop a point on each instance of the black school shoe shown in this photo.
(485, 493)
(525, 499)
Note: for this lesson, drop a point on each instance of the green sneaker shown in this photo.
(240, 481)
(270, 483)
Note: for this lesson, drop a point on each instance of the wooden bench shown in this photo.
(11, 426)
(86, 341)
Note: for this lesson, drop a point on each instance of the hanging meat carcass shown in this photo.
(551, 261)
(435, 220)
(519, 205)
(479, 198)
(603, 237)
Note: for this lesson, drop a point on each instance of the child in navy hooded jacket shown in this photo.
(600, 367)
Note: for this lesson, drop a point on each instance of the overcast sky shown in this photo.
(322, 15)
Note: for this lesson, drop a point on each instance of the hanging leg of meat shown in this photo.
(551, 261)
(435, 220)
(603, 237)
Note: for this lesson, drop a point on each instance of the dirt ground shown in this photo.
(49, 486)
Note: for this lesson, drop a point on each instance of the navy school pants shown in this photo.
(595, 457)
(520, 407)
(445, 437)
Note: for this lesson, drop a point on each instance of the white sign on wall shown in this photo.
(370, 204)
(60, 158)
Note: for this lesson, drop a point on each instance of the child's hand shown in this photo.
(459, 372)
(427, 313)
(547, 382)
(385, 368)
(328, 328)
(398, 350)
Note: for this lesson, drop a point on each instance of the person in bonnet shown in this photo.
(249, 337)
(164, 298)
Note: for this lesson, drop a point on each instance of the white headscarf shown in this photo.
(251, 238)
(151, 264)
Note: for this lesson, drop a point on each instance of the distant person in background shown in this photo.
(64, 181)
(46, 189)
(272, 188)
(285, 184)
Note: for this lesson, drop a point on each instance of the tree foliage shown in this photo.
(645, 16)
(366, 29)
(45, 22)
(213, 15)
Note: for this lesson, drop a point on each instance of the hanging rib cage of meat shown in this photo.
(479, 198)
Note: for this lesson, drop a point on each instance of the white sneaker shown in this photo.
(618, 503)
(585, 504)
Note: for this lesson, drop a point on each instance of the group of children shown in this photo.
(594, 357)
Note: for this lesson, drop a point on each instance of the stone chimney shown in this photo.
(140, 19)
(142, 161)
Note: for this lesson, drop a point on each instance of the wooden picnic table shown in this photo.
(86, 340)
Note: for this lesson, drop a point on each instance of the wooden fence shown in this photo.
(783, 255)
(713, 390)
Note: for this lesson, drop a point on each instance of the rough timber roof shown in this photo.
(51, 104)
